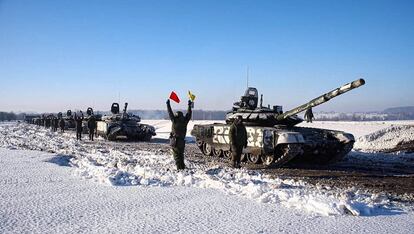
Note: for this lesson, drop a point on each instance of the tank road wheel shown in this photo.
(253, 158)
(199, 143)
(267, 159)
(227, 154)
(217, 152)
(207, 149)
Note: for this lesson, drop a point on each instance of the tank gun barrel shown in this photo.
(323, 98)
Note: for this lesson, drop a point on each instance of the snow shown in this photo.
(124, 190)
(358, 129)
(39, 194)
(387, 138)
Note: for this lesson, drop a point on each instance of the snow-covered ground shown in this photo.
(386, 138)
(133, 190)
(358, 129)
(39, 194)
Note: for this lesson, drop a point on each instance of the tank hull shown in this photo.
(278, 145)
(128, 130)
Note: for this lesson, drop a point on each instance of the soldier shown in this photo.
(91, 126)
(55, 124)
(52, 123)
(309, 115)
(47, 122)
(62, 124)
(238, 140)
(178, 133)
(78, 121)
(42, 121)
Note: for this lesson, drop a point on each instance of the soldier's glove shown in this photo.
(168, 101)
(189, 102)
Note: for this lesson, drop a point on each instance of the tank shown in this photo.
(69, 120)
(124, 126)
(273, 137)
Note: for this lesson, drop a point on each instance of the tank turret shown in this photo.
(254, 115)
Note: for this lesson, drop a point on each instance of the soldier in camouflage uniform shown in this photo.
(308, 115)
(78, 121)
(178, 133)
(62, 124)
(238, 140)
(55, 124)
(91, 127)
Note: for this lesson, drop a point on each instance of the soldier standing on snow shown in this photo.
(52, 123)
(62, 124)
(309, 115)
(91, 126)
(78, 121)
(55, 124)
(178, 133)
(238, 140)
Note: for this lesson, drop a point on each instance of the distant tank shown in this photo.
(124, 126)
(273, 138)
(69, 120)
(31, 119)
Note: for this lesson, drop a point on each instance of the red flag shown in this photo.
(174, 97)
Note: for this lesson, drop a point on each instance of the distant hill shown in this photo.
(402, 109)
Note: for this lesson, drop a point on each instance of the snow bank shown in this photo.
(384, 139)
(107, 163)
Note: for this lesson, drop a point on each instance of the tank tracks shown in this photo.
(282, 155)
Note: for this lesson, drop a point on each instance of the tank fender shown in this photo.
(289, 138)
(345, 137)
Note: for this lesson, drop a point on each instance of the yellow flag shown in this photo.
(191, 96)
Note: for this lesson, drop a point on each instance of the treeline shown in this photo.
(9, 116)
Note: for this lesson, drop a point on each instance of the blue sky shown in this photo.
(58, 55)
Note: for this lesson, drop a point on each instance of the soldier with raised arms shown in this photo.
(178, 133)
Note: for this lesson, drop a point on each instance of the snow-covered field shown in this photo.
(139, 191)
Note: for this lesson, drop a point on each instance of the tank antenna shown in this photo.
(247, 77)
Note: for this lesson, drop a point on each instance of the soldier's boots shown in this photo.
(235, 164)
(180, 166)
(179, 159)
